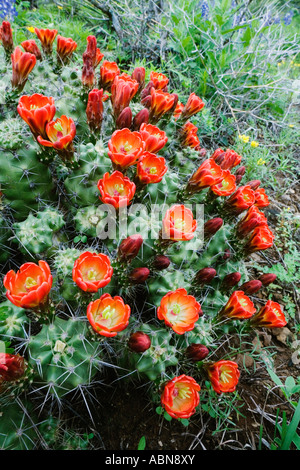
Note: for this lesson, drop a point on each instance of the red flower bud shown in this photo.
(254, 184)
(205, 275)
(202, 152)
(227, 254)
(212, 226)
(139, 275)
(251, 287)
(141, 118)
(197, 352)
(108, 72)
(194, 105)
(139, 75)
(123, 89)
(22, 65)
(231, 280)
(139, 342)
(124, 119)
(31, 47)
(159, 104)
(6, 37)
(92, 50)
(188, 136)
(94, 109)
(129, 247)
(161, 262)
(239, 174)
(147, 90)
(88, 71)
(12, 367)
(267, 279)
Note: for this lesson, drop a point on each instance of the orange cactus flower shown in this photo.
(179, 223)
(159, 104)
(180, 397)
(30, 286)
(108, 315)
(154, 138)
(178, 110)
(226, 187)
(116, 189)
(253, 218)
(60, 133)
(188, 135)
(151, 168)
(261, 199)
(108, 72)
(65, 49)
(193, 106)
(125, 148)
(238, 307)
(260, 239)
(46, 36)
(7, 37)
(92, 271)
(37, 110)
(94, 109)
(31, 46)
(179, 310)
(160, 81)
(12, 367)
(226, 159)
(22, 65)
(123, 89)
(223, 375)
(208, 174)
(269, 316)
(240, 200)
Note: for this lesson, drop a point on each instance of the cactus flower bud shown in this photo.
(239, 174)
(94, 109)
(6, 37)
(231, 280)
(139, 342)
(205, 275)
(251, 287)
(159, 80)
(141, 118)
(129, 247)
(227, 254)
(22, 65)
(123, 89)
(125, 119)
(139, 75)
(267, 279)
(197, 352)
(12, 367)
(254, 184)
(212, 226)
(193, 106)
(31, 47)
(139, 275)
(161, 262)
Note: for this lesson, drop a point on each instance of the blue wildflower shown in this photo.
(8, 10)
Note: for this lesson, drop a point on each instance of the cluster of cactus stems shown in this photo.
(155, 308)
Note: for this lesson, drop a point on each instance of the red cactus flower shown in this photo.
(226, 187)
(129, 247)
(253, 218)
(7, 37)
(160, 81)
(260, 239)
(188, 136)
(226, 159)
(46, 36)
(178, 110)
(208, 174)
(151, 168)
(180, 397)
(92, 271)
(193, 106)
(159, 103)
(125, 148)
(22, 65)
(30, 286)
(240, 200)
(197, 352)
(139, 342)
(31, 47)
(37, 111)
(108, 72)
(60, 133)
(179, 310)
(108, 315)
(65, 49)
(12, 367)
(238, 307)
(123, 89)
(94, 109)
(269, 316)
(179, 223)
(223, 375)
(261, 199)
(139, 75)
(116, 189)
(154, 138)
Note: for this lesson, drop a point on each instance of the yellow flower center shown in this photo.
(182, 392)
(225, 376)
(108, 312)
(92, 275)
(30, 282)
(58, 127)
(126, 147)
(179, 224)
(175, 310)
(119, 188)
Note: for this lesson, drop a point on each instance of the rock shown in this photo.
(283, 334)
(245, 361)
(258, 345)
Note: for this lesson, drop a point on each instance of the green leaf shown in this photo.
(185, 422)
(142, 443)
(159, 410)
(167, 416)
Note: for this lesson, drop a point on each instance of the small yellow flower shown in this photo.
(30, 29)
(261, 162)
(244, 138)
(279, 64)
(291, 125)
(59, 7)
(254, 144)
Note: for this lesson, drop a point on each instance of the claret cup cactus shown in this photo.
(127, 240)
